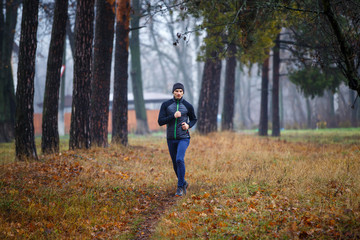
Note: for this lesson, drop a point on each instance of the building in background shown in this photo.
(153, 102)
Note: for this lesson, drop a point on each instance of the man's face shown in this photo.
(178, 93)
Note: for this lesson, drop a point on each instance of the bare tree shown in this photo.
(263, 126)
(136, 74)
(275, 89)
(209, 95)
(120, 101)
(80, 112)
(7, 92)
(228, 106)
(103, 46)
(24, 125)
(50, 134)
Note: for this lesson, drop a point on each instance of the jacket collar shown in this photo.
(180, 100)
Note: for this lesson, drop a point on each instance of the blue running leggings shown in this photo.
(177, 149)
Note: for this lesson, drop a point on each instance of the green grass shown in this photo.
(324, 136)
(320, 136)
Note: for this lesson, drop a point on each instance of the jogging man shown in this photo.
(179, 116)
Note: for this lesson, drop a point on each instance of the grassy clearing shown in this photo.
(241, 186)
(327, 136)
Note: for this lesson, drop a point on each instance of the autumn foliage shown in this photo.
(241, 187)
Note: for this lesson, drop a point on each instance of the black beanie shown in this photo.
(178, 86)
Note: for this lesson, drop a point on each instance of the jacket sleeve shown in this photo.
(163, 118)
(191, 114)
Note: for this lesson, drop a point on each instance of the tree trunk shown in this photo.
(281, 104)
(263, 126)
(7, 91)
(141, 118)
(241, 95)
(309, 113)
(24, 124)
(3, 135)
(353, 110)
(248, 103)
(100, 90)
(62, 95)
(2, 23)
(198, 64)
(275, 92)
(297, 108)
(80, 112)
(209, 95)
(228, 106)
(331, 113)
(50, 134)
(120, 101)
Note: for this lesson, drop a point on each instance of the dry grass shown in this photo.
(241, 186)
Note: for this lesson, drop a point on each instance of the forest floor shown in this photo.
(304, 185)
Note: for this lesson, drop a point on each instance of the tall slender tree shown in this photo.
(80, 112)
(275, 89)
(100, 90)
(24, 124)
(353, 111)
(120, 101)
(2, 23)
(209, 95)
(50, 134)
(228, 107)
(263, 126)
(136, 76)
(7, 91)
(62, 95)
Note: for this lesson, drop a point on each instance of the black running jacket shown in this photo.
(166, 116)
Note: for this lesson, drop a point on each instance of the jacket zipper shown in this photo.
(177, 109)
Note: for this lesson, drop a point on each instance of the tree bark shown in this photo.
(228, 105)
(140, 110)
(120, 100)
(209, 95)
(241, 96)
(7, 91)
(50, 133)
(103, 46)
(2, 23)
(331, 113)
(62, 95)
(353, 111)
(275, 92)
(80, 113)
(309, 113)
(263, 125)
(24, 124)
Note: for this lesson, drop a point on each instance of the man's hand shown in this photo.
(184, 126)
(177, 114)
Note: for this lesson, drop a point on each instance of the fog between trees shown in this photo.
(164, 64)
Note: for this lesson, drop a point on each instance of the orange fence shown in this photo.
(152, 116)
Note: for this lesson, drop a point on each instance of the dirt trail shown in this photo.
(147, 228)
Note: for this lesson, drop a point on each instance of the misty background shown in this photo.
(164, 64)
